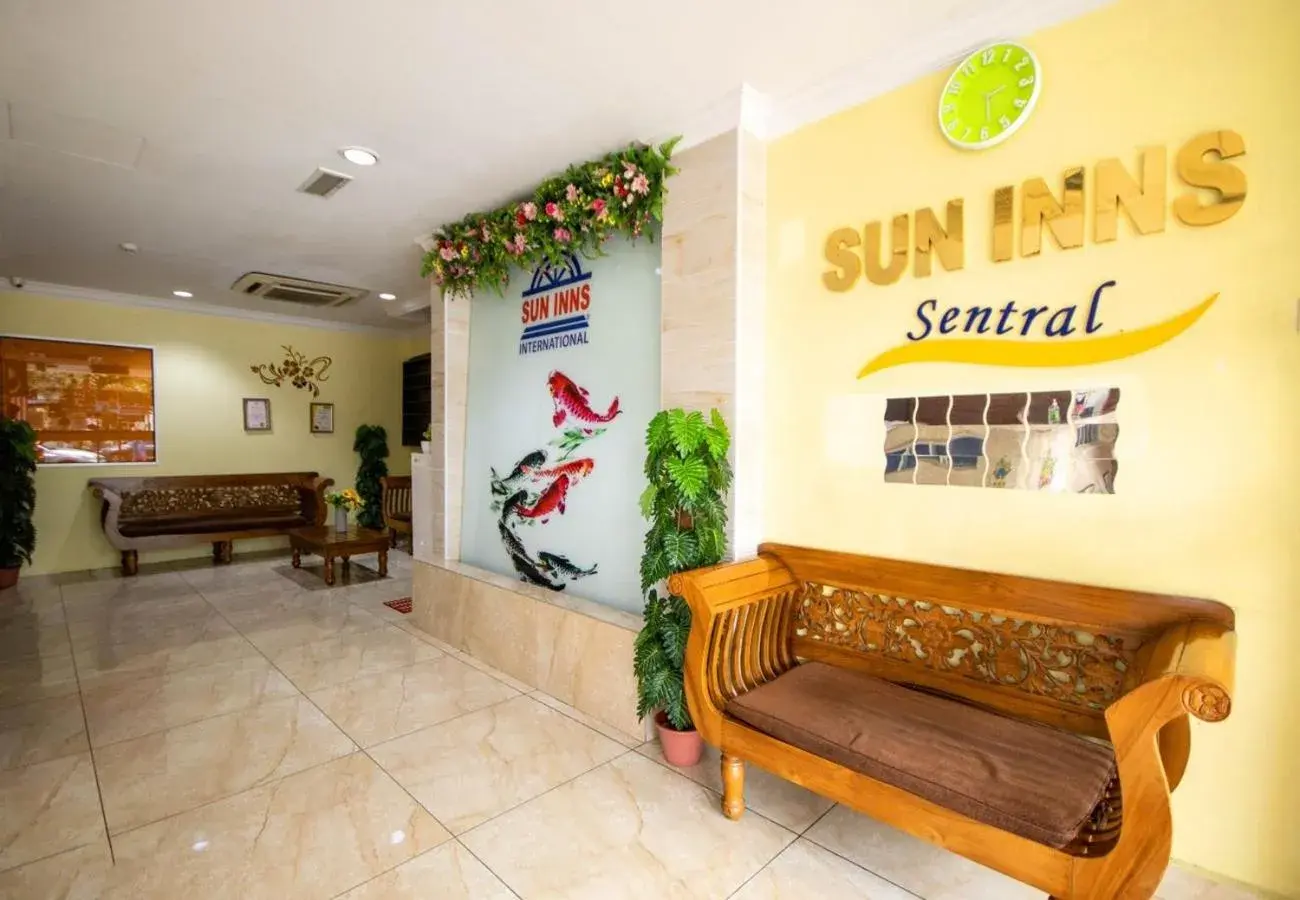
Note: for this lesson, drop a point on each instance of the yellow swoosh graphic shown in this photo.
(1040, 353)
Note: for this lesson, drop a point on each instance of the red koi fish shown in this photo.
(574, 471)
(572, 401)
(551, 501)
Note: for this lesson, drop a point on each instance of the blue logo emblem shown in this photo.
(555, 307)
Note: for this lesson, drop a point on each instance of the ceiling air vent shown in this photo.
(324, 183)
(296, 290)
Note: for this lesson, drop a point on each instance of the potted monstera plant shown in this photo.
(685, 502)
(17, 498)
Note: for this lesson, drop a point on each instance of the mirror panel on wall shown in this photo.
(1057, 441)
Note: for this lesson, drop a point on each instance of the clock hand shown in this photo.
(988, 99)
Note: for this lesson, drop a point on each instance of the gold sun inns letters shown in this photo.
(1201, 163)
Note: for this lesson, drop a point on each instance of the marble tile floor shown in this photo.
(244, 731)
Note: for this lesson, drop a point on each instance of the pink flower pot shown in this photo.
(681, 748)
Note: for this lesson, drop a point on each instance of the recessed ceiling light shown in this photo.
(129, 247)
(387, 296)
(359, 156)
(182, 294)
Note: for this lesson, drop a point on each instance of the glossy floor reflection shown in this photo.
(244, 731)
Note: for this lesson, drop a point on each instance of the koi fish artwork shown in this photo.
(528, 571)
(571, 402)
(551, 501)
(563, 566)
(537, 488)
(575, 471)
(532, 460)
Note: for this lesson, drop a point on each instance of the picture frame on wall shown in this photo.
(257, 414)
(322, 418)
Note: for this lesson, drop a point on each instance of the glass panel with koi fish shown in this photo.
(1056, 441)
(563, 379)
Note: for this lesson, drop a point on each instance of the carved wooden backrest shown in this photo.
(172, 494)
(397, 494)
(1052, 651)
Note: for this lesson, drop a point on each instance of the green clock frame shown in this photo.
(990, 95)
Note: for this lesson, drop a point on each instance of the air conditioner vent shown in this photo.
(296, 290)
(324, 183)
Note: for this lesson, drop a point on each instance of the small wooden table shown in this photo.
(324, 541)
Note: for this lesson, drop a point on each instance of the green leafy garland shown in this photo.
(689, 474)
(621, 193)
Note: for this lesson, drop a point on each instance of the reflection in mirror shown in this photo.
(1055, 441)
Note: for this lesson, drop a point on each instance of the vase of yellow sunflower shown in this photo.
(343, 502)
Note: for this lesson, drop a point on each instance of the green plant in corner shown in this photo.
(371, 444)
(17, 497)
(685, 501)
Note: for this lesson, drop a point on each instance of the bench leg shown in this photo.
(130, 562)
(733, 786)
(222, 552)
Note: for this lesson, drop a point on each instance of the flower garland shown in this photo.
(576, 212)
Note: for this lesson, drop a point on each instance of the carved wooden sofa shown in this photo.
(174, 510)
(1036, 727)
(397, 505)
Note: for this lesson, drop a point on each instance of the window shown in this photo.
(966, 451)
(89, 403)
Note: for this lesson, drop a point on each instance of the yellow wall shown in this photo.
(1207, 501)
(201, 371)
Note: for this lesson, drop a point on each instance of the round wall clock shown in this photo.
(989, 96)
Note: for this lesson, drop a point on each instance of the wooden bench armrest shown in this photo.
(315, 489)
(1201, 656)
(1189, 671)
(106, 493)
(741, 634)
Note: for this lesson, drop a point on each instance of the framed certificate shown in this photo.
(322, 418)
(257, 414)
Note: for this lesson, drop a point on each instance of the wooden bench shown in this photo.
(1036, 727)
(164, 511)
(397, 505)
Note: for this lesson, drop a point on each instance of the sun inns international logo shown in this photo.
(555, 307)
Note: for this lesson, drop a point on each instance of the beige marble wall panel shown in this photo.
(501, 629)
(699, 277)
(575, 650)
(458, 314)
(587, 664)
(750, 315)
(437, 417)
(438, 602)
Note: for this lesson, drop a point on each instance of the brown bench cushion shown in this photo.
(237, 520)
(1018, 776)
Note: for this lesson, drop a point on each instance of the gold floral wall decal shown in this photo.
(297, 369)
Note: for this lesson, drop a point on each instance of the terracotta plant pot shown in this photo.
(681, 748)
(8, 577)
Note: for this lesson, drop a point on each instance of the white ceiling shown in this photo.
(185, 126)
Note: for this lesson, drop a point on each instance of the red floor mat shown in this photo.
(402, 606)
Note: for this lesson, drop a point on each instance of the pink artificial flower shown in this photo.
(571, 193)
(641, 184)
(529, 210)
(553, 210)
(598, 207)
(517, 246)
(562, 235)
(447, 252)
(629, 169)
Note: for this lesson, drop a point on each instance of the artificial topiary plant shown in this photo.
(372, 445)
(17, 496)
(685, 501)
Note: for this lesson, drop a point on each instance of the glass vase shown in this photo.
(341, 519)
